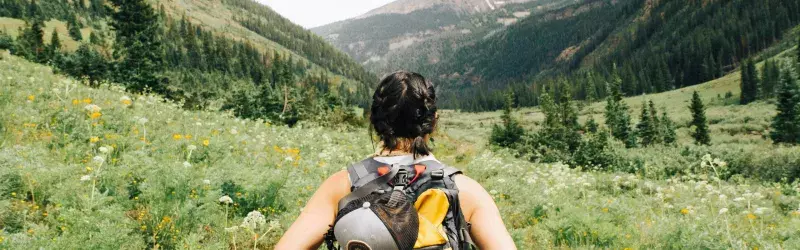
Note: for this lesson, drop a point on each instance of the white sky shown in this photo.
(314, 13)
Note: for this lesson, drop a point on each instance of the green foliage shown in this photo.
(699, 123)
(74, 28)
(786, 124)
(86, 62)
(770, 79)
(138, 47)
(30, 43)
(749, 83)
(618, 119)
(595, 151)
(510, 132)
(6, 41)
(591, 125)
(668, 129)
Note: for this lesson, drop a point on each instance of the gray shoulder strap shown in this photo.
(368, 188)
(363, 172)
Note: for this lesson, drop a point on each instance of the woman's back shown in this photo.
(403, 114)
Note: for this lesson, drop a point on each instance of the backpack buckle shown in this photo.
(401, 179)
(437, 174)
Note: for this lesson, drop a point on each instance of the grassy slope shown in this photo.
(12, 26)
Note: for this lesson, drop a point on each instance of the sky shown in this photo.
(314, 13)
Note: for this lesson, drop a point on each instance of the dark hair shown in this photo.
(404, 106)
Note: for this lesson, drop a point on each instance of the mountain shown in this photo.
(383, 37)
(538, 46)
(237, 55)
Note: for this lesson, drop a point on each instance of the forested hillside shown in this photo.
(206, 54)
(656, 45)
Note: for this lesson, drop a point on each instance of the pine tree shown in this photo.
(655, 123)
(617, 118)
(749, 82)
(74, 29)
(591, 125)
(668, 129)
(511, 132)
(30, 44)
(786, 124)
(138, 48)
(770, 78)
(54, 49)
(700, 133)
(644, 128)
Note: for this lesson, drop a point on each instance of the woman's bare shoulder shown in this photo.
(471, 194)
(337, 185)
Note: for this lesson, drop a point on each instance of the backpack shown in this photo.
(400, 207)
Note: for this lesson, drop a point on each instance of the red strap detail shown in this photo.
(383, 170)
(419, 169)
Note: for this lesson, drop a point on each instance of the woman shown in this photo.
(403, 114)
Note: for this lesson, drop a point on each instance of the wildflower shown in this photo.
(186, 164)
(92, 108)
(760, 210)
(207, 182)
(192, 147)
(723, 211)
(94, 139)
(31, 98)
(751, 216)
(254, 220)
(87, 100)
(98, 159)
(206, 142)
(104, 149)
(95, 115)
(684, 211)
(177, 136)
(76, 101)
(125, 100)
(234, 131)
(86, 178)
(225, 199)
(143, 120)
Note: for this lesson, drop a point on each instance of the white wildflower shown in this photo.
(86, 178)
(254, 220)
(92, 108)
(104, 149)
(761, 210)
(143, 120)
(493, 192)
(207, 182)
(192, 147)
(234, 131)
(723, 211)
(225, 199)
(187, 164)
(738, 199)
(99, 159)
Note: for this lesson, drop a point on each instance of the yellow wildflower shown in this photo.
(605, 210)
(94, 139)
(177, 136)
(31, 98)
(76, 101)
(684, 211)
(87, 100)
(95, 115)
(125, 100)
(188, 136)
(751, 216)
(206, 142)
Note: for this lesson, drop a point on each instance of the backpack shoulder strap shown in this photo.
(362, 172)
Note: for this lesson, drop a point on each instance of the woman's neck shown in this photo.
(402, 148)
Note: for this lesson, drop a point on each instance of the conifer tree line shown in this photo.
(684, 43)
(147, 50)
(562, 138)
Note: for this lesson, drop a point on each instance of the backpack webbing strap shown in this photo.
(462, 226)
(363, 172)
(368, 188)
